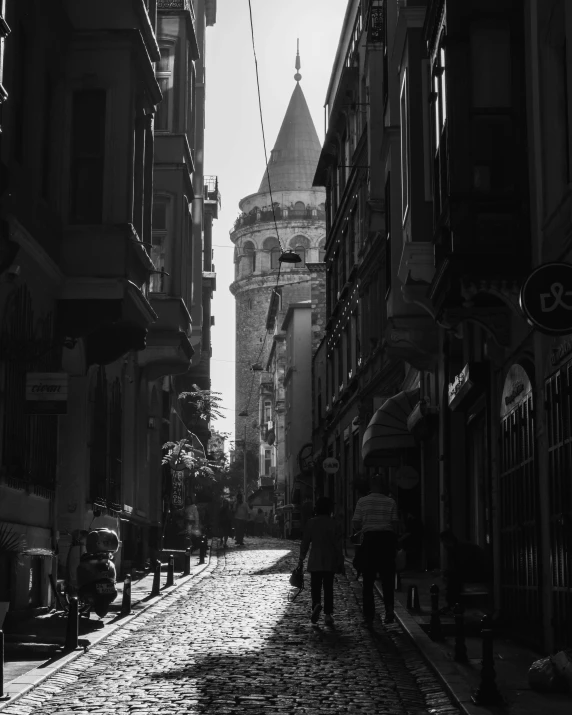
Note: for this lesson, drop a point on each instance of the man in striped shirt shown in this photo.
(377, 519)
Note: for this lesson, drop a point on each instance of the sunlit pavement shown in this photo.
(230, 641)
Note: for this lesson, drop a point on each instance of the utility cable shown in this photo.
(262, 125)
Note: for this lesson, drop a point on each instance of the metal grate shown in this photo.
(29, 444)
(559, 414)
(520, 592)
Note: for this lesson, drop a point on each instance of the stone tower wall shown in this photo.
(253, 289)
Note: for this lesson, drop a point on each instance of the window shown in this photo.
(301, 251)
(159, 243)
(249, 258)
(267, 461)
(267, 410)
(388, 234)
(439, 96)
(164, 74)
(404, 117)
(46, 143)
(321, 252)
(87, 156)
(300, 206)
(439, 114)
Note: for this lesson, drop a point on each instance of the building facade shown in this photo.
(87, 242)
(442, 378)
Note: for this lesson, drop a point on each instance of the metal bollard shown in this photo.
(72, 631)
(435, 630)
(204, 544)
(156, 580)
(413, 598)
(187, 571)
(3, 696)
(170, 572)
(126, 602)
(487, 693)
(460, 646)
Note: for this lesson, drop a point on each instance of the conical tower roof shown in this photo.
(294, 159)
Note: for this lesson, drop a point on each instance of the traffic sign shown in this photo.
(546, 298)
(330, 465)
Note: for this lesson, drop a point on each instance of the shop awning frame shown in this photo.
(387, 432)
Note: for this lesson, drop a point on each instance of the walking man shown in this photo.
(377, 518)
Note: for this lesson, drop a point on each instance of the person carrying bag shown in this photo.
(323, 538)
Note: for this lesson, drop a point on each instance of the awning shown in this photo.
(387, 431)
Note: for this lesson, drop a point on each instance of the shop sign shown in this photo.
(516, 389)
(546, 298)
(330, 465)
(559, 351)
(459, 387)
(176, 489)
(46, 393)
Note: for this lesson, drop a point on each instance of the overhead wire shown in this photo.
(275, 289)
(262, 125)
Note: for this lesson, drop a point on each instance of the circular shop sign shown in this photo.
(330, 465)
(546, 298)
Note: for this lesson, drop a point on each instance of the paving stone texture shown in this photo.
(231, 642)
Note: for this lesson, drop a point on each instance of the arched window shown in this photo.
(300, 245)
(273, 247)
(299, 206)
(301, 251)
(249, 257)
(322, 251)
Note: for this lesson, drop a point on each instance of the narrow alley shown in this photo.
(230, 641)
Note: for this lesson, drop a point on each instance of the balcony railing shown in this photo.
(280, 215)
(211, 192)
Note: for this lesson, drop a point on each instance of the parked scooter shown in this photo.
(90, 571)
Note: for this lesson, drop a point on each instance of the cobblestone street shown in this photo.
(230, 641)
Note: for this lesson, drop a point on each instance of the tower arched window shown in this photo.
(300, 207)
(322, 251)
(274, 256)
(249, 257)
(301, 251)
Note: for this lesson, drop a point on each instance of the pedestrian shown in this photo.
(241, 517)
(306, 510)
(192, 523)
(225, 521)
(466, 563)
(377, 519)
(324, 539)
(259, 523)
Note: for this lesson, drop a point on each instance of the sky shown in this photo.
(233, 137)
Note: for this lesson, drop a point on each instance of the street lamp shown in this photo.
(244, 413)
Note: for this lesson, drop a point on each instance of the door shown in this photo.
(519, 518)
(559, 416)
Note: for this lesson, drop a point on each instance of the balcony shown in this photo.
(173, 150)
(169, 7)
(211, 192)
(101, 299)
(209, 280)
(280, 214)
(169, 349)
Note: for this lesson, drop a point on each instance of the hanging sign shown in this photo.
(517, 387)
(330, 465)
(46, 393)
(546, 298)
(177, 489)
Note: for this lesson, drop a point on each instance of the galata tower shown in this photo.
(286, 214)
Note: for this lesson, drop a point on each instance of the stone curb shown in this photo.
(37, 676)
(447, 671)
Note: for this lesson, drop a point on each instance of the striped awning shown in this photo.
(387, 430)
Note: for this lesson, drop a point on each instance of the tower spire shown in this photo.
(298, 76)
